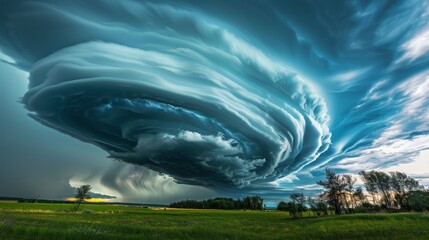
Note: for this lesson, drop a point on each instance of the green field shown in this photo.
(52, 221)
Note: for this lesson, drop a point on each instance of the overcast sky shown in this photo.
(157, 102)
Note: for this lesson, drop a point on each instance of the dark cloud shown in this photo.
(135, 183)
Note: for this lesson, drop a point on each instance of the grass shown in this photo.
(53, 221)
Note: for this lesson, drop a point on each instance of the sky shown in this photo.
(159, 101)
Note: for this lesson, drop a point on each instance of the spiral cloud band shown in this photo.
(168, 89)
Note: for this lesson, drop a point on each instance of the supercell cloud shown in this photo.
(167, 89)
(224, 98)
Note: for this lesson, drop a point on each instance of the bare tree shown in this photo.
(82, 194)
(379, 182)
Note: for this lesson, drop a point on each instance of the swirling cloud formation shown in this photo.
(167, 88)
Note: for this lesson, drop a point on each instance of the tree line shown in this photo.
(388, 192)
(249, 203)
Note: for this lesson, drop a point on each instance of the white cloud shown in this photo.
(405, 138)
(350, 75)
(417, 46)
(287, 179)
(418, 167)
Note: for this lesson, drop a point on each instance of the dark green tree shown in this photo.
(318, 206)
(417, 200)
(283, 206)
(334, 187)
(298, 204)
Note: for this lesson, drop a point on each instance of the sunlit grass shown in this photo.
(91, 200)
(55, 221)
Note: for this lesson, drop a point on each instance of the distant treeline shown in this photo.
(249, 203)
(385, 192)
(33, 200)
(382, 192)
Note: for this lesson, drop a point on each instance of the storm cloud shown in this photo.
(257, 96)
(170, 90)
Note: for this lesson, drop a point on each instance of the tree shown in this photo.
(283, 206)
(253, 203)
(348, 182)
(379, 182)
(82, 193)
(401, 184)
(392, 187)
(417, 200)
(369, 185)
(318, 206)
(298, 202)
(358, 197)
(333, 188)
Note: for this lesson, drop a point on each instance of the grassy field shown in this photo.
(22, 221)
